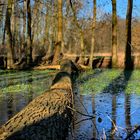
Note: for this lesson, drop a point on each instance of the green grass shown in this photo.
(17, 82)
(111, 79)
(99, 82)
(133, 85)
(90, 82)
(16, 88)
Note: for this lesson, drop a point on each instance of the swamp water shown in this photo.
(17, 89)
(112, 97)
(108, 99)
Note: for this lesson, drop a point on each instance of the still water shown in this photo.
(17, 89)
(115, 116)
(112, 98)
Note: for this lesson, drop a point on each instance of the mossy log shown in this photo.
(48, 116)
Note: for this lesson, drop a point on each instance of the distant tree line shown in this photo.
(33, 31)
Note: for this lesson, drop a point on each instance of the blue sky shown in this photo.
(105, 6)
(122, 7)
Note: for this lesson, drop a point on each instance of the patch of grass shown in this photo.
(24, 88)
(99, 82)
(35, 82)
(18, 74)
(133, 85)
(111, 79)
(16, 88)
(85, 74)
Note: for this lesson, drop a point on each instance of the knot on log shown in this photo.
(47, 116)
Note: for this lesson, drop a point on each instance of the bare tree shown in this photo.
(81, 31)
(29, 34)
(114, 34)
(50, 28)
(128, 58)
(93, 33)
(59, 33)
(24, 24)
(10, 51)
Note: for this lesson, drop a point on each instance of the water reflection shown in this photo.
(83, 126)
(19, 88)
(116, 113)
(114, 128)
(95, 130)
(10, 106)
(111, 117)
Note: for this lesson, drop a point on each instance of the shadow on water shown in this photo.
(113, 109)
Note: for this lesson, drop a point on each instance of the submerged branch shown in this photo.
(83, 120)
(91, 116)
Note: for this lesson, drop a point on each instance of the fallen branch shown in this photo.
(83, 120)
(54, 67)
(90, 116)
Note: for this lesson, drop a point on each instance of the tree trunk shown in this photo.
(49, 29)
(60, 24)
(128, 58)
(93, 34)
(10, 51)
(56, 58)
(29, 34)
(4, 9)
(82, 51)
(114, 34)
(58, 46)
(82, 47)
(24, 27)
(13, 24)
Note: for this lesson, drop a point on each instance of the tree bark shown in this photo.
(22, 49)
(10, 51)
(82, 51)
(93, 34)
(82, 47)
(50, 30)
(29, 34)
(59, 43)
(128, 58)
(114, 34)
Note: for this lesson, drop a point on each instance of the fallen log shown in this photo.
(48, 116)
(51, 67)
